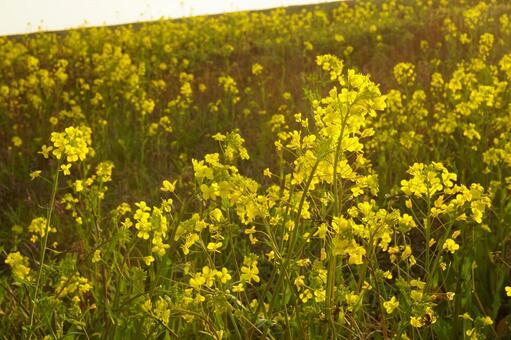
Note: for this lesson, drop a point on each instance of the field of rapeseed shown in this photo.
(327, 172)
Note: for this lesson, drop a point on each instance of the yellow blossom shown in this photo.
(391, 305)
(96, 257)
(238, 288)
(168, 186)
(214, 246)
(223, 275)
(450, 245)
(17, 141)
(148, 260)
(249, 274)
(416, 322)
(65, 169)
(35, 174)
(19, 264)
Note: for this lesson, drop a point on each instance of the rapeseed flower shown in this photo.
(391, 305)
(450, 245)
(73, 144)
(38, 228)
(168, 186)
(19, 265)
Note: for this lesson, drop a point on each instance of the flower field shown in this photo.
(340, 171)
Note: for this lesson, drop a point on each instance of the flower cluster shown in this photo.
(20, 266)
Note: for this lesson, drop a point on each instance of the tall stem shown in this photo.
(427, 227)
(332, 259)
(44, 244)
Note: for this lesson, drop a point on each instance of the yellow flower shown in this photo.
(416, 322)
(508, 290)
(238, 288)
(450, 245)
(148, 260)
(472, 333)
(320, 295)
(19, 265)
(352, 299)
(65, 169)
(97, 256)
(190, 240)
(214, 246)
(35, 174)
(250, 273)
(73, 143)
(391, 305)
(257, 69)
(466, 316)
(78, 184)
(487, 321)
(407, 251)
(388, 275)
(162, 311)
(17, 141)
(219, 137)
(45, 151)
(216, 215)
(104, 171)
(299, 281)
(197, 281)
(417, 283)
(270, 255)
(409, 203)
(356, 253)
(416, 295)
(147, 306)
(219, 335)
(201, 170)
(223, 275)
(38, 228)
(168, 186)
(250, 232)
(306, 295)
(405, 74)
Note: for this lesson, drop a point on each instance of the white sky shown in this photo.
(23, 16)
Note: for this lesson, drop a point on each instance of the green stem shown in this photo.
(427, 227)
(292, 242)
(294, 235)
(332, 259)
(44, 244)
